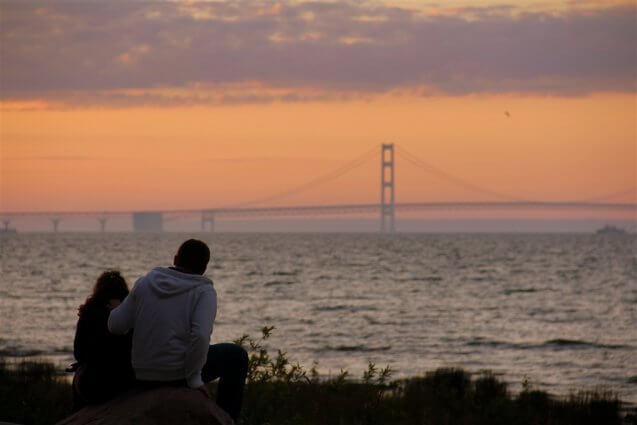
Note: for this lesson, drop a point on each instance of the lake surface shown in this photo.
(557, 310)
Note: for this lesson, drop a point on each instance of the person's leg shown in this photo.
(78, 402)
(229, 363)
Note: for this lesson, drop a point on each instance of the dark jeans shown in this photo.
(229, 363)
(95, 384)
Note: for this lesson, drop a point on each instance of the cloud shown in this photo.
(59, 158)
(206, 52)
(133, 55)
(267, 159)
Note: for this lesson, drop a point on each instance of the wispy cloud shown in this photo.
(245, 52)
(225, 159)
(60, 158)
(267, 159)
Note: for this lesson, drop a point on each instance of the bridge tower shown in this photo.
(387, 188)
(208, 217)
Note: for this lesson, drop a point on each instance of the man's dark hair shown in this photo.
(193, 255)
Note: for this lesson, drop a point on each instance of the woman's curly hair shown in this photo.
(109, 285)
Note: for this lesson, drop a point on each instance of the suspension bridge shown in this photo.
(386, 208)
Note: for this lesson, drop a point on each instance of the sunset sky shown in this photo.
(113, 105)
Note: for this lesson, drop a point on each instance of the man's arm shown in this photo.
(122, 318)
(201, 324)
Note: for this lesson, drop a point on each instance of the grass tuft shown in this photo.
(33, 392)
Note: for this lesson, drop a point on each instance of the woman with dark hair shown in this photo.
(103, 368)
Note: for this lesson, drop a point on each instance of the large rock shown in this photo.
(165, 405)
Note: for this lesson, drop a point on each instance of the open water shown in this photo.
(559, 311)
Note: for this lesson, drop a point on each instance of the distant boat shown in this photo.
(8, 230)
(610, 230)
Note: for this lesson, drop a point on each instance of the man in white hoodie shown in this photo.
(172, 311)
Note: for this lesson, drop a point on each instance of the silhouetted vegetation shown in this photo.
(279, 392)
(282, 393)
(33, 392)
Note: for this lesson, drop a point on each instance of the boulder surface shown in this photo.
(158, 406)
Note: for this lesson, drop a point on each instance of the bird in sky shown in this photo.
(507, 114)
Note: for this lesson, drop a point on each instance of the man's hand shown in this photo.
(203, 390)
(112, 303)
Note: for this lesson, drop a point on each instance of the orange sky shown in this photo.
(179, 105)
(550, 148)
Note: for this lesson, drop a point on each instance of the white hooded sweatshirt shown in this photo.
(172, 314)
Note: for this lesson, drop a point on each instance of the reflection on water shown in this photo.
(560, 310)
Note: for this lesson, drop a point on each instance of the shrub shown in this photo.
(33, 392)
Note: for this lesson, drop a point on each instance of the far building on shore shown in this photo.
(148, 221)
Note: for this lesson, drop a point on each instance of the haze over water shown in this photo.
(558, 310)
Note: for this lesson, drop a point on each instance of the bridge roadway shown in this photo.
(326, 209)
(208, 216)
(371, 208)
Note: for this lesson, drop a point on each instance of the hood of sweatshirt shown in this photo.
(166, 282)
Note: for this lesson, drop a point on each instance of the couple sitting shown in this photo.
(158, 335)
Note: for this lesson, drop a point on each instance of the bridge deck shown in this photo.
(332, 209)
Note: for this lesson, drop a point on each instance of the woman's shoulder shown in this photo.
(93, 313)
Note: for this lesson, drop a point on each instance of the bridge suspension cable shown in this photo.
(325, 178)
(614, 195)
(467, 185)
(413, 159)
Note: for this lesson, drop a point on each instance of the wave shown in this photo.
(279, 282)
(482, 342)
(16, 352)
(576, 343)
(479, 279)
(519, 291)
(331, 307)
(356, 348)
(421, 279)
(552, 343)
(350, 308)
(284, 273)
